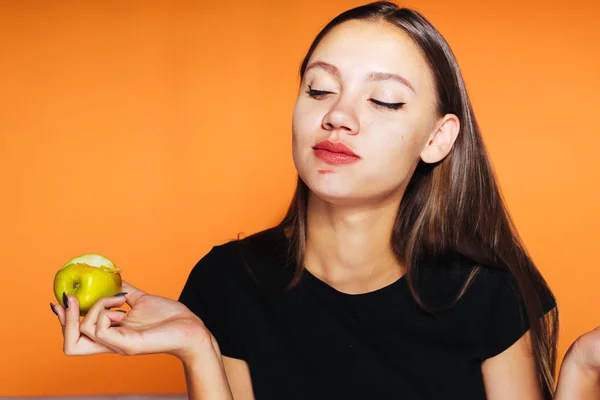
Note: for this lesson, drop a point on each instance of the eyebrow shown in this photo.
(372, 76)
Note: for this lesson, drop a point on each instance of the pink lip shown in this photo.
(335, 153)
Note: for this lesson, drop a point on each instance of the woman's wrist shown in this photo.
(200, 343)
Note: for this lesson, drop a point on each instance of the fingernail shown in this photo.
(52, 308)
(121, 294)
(65, 300)
(123, 311)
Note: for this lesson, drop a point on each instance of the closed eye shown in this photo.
(391, 106)
(316, 93)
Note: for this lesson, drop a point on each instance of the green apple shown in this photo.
(88, 277)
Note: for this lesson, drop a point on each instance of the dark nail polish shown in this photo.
(65, 300)
(52, 308)
(121, 294)
(123, 311)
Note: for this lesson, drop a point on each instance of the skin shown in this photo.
(351, 210)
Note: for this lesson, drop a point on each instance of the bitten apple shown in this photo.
(88, 277)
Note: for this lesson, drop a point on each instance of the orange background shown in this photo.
(151, 131)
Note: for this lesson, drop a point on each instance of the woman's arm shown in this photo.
(211, 376)
(206, 380)
(228, 380)
(238, 376)
(512, 374)
(579, 376)
(576, 383)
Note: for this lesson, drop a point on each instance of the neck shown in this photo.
(349, 247)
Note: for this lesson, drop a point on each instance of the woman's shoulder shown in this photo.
(505, 313)
(459, 281)
(474, 287)
(260, 259)
(487, 300)
(501, 286)
(221, 288)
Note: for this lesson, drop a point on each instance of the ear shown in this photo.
(442, 139)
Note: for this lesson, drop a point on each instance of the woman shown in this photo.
(396, 272)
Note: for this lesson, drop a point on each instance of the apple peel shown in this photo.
(94, 260)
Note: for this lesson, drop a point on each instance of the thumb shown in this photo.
(133, 293)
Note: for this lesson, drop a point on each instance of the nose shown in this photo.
(341, 117)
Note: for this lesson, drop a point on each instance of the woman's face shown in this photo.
(367, 86)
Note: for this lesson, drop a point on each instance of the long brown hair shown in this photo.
(452, 208)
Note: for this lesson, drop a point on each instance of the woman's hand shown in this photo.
(153, 325)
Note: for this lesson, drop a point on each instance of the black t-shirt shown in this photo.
(314, 342)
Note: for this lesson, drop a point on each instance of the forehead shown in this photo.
(358, 47)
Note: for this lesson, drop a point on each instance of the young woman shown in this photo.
(396, 273)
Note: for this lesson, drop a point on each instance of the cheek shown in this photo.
(301, 137)
(392, 157)
(305, 123)
(394, 139)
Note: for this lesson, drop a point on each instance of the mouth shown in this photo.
(335, 147)
(335, 153)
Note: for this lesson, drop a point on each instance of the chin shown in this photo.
(329, 183)
(329, 191)
(344, 191)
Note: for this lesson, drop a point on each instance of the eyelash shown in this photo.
(392, 106)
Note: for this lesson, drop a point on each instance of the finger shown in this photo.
(116, 316)
(110, 318)
(88, 325)
(133, 293)
(156, 339)
(60, 313)
(87, 346)
(71, 328)
(106, 321)
(74, 344)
